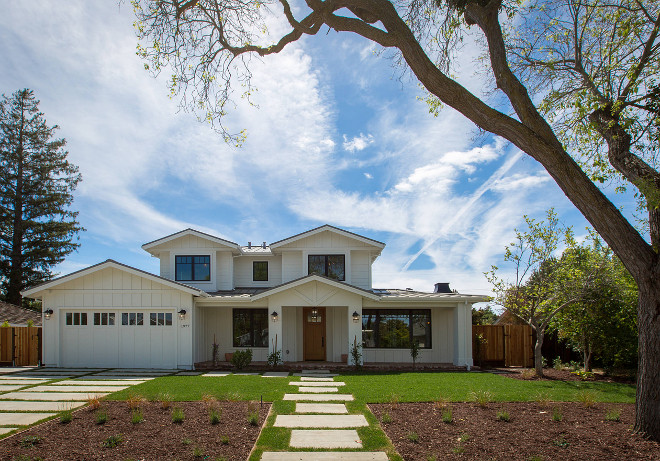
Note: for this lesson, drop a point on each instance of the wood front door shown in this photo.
(314, 333)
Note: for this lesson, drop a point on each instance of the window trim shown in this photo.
(192, 269)
(252, 312)
(376, 331)
(254, 279)
(325, 265)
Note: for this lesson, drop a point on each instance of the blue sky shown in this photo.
(339, 137)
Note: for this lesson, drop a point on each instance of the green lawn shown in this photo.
(188, 388)
(428, 387)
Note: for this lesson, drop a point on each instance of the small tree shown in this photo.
(414, 351)
(479, 342)
(542, 284)
(36, 186)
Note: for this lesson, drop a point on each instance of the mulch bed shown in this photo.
(550, 374)
(155, 438)
(531, 433)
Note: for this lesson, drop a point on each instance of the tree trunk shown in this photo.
(538, 356)
(647, 409)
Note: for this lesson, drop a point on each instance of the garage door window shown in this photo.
(76, 318)
(160, 319)
(104, 318)
(132, 318)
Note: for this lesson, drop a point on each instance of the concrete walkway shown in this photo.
(330, 426)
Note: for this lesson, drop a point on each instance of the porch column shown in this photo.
(275, 339)
(354, 333)
(463, 335)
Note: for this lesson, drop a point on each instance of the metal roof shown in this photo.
(329, 228)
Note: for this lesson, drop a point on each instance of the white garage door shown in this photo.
(118, 338)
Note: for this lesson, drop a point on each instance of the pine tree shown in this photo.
(37, 226)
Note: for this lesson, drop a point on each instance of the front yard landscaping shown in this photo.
(416, 416)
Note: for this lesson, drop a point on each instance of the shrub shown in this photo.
(186, 441)
(583, 375)
(528, 373)
(503, 415)
(482, 397)
(414, 352)
(447, 415)
(386, 418)
(214, 415)
(274, 358)
(198, 452)
(356, 354)
(30, 441)
(94, 402)
(543, 398)
(241, 359)
(101, 416)
(556, 414)
(557, 364)
(136, 416)
(587, 398)
(441, 403)
(66, 416)
(413, 437)
(253, 418)
(177, 415)
(135, 401)
(224, 440)
(613, 414)
(458, 449)
(464, 437)
(112, 441)
(165, 400)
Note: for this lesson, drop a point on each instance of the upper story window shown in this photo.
(333, 266)
(260, 271)
(193, 268)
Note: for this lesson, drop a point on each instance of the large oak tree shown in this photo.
(207, 44)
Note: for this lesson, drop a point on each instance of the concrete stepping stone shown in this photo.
(23, 419)
(52, 396)
(332, 408)
(275, 374)
(317, 383)
(8, 387)
(27, 405)
(329, 438)
(324, 456)
(47, 376)
(87, 382)
(217, 373)
(5, 370)
(319, 397)
(21, 378)
(23, 382)
(333, 421)
(316, 379)
(247, 374)
(189, 373)
(97, 378)
(141, 370)
(6, 430)
(315, 370)
(316, 375)
(318, 390)
(94, 389)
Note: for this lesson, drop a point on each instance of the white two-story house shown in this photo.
(309, 296)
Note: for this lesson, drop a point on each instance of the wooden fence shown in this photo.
(20, 346)
(507, 345)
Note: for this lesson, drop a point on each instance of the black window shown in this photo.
(76, 318)
(396, 328)
(132, 318)
(104, 318)
(160, 319)
(332, 266)
(192, 268)
(260, 271)
(250, 327)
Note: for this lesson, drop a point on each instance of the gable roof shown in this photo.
(328, 227)
(16, 315)
(189, 231)
(109, 263)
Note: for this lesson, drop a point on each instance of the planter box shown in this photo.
(228, 356)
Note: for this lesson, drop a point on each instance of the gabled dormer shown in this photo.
(331, 252)
(195, 258)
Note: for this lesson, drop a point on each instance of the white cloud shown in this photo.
(357, 143)
(368, 175)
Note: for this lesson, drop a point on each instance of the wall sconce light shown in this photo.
(48, 313)
(356, 317)
(274, 316)
(182, 313)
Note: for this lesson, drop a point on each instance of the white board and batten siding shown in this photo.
(113, 291)
(218, 322)
(243, 271)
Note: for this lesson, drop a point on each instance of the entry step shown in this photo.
(333, 421)
(324, 456)
(325, 438)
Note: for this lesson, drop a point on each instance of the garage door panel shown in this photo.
(119, 345)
